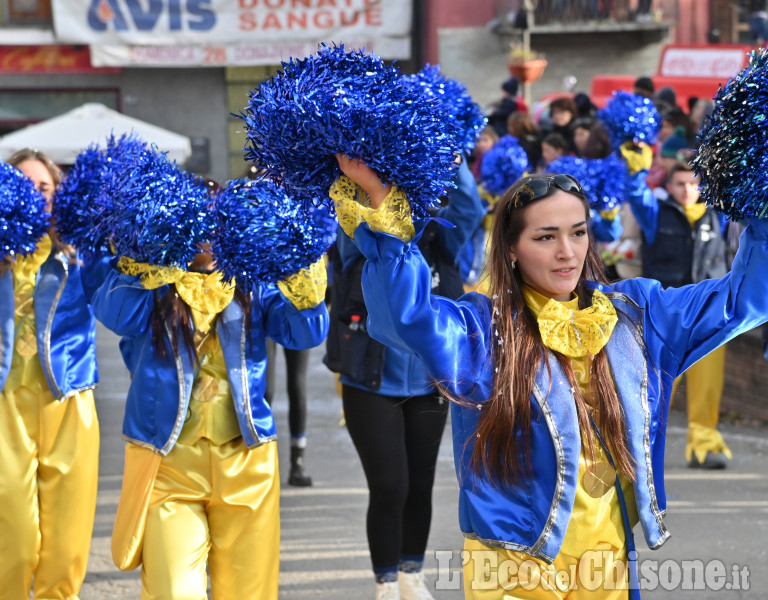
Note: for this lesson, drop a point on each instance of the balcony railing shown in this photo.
(564, 12)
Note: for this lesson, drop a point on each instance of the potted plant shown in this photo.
(525, 64)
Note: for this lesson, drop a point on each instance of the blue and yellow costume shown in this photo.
(658, 334)
(49, 432)
(201, 482)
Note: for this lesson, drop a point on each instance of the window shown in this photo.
(29, 11)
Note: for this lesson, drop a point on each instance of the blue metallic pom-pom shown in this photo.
(455, 101)
(349, 102)
(732, 159)
(630, 117)
(84, 202)
(602, 179)
(162, 214)
(503, 165)
(264, 235)
(23, 216)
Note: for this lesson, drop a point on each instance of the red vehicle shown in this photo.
(692, 70)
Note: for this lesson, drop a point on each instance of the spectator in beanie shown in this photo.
(507, 105)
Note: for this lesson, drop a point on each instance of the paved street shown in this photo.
(719, 518)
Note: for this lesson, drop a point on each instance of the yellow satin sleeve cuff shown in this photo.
(306, 289)
(638, 158)
(152, 276)
(491, 199)
(353, 208)
(609, 214)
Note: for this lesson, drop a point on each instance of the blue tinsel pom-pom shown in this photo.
(732, 159)
(264, 235)
(349, 102)
(630, 117)
(455, 101)
(503, 165)
(162, 214)
(84, 202)
(23, 218)
(602, 179)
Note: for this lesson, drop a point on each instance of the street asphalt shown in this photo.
(718, 519)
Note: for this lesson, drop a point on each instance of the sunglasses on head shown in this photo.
(538, 187)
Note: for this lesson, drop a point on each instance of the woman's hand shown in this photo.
(365, 177)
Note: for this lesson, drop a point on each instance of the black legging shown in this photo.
(296, 362)
(397, 440)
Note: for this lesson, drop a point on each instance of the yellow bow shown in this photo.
(639, 157)
(205, 293)
(580, 332)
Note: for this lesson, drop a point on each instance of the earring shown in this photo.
(512, 262)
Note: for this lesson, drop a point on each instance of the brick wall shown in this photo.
(746, 377)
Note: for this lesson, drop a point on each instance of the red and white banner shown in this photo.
(234, 55)
(209, 29)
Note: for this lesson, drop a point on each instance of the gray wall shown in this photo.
(478, 58)
(188, 101)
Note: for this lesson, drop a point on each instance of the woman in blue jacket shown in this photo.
(201, 483)
(49, 432)
(561, 382)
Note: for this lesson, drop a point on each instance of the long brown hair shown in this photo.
(56, 176)
(502, 445)
(170, 309)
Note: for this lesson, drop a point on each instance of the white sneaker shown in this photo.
(387, 591)
(412, 586)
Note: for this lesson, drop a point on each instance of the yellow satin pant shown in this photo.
(218, 505)
(704, 390)
(498, 574)
(50, 463)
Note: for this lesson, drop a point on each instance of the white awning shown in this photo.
(64, 137)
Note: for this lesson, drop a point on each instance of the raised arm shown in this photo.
(294, 312)
(450, 338)
(684, 324)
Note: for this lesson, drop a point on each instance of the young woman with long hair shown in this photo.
(201, 489)
(49, 432)
(560, 381)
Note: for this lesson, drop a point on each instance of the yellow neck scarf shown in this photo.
(694, 212)
(26, 267)
(205, 293)
(569, 330)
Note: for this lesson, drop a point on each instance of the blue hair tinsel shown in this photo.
(732, 159)
(503, 165)
(630, 117)
(162, 215)
(602, 179)
(85, 199)
(264, 235)
(455, 101)
(23, 218)
(349, 102)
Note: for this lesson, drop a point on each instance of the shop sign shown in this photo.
(234, 26)
(46, 59)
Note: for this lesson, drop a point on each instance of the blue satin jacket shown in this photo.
(659, 335)
(64, 323)
(161, 386)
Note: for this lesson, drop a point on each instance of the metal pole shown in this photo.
(529, 6)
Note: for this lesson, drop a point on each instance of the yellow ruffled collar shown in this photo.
(567, 329)
(205, 293)
(27, 266)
